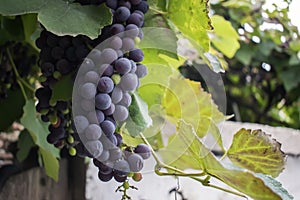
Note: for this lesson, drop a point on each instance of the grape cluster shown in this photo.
(106, 79)
(59, 56)
(24, 60)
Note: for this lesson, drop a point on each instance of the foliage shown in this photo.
(169, 97)
(261, 81)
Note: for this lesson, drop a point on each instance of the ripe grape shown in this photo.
(126, 100)
(141, 71)
(123, 66)
(93, 132)
(102, 101)
(105, 85)
(136, 19)
(116, 95)
(94, 147)
(108, 127)
(143, 150)
(108, 56)
(81, 123)
(121, 113)
(122, 167)
(121, 14)
(129, 82)
(88, 90)
(136, 162)
(100, 116)
(136, 55)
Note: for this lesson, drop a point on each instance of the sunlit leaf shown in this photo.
(225, 37)
(257, 151)
(192, 20)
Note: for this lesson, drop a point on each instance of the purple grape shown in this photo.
(126, 100)
(88, 90)
(95, 148)
(110, 110)
(135, 2)
(119, 178)
(129, 82)
(115, 154)
(102, 101)
(81, 123)
(141, 71)
(93, 132)
(87, 105)
(135, 162)
(116, 43)
(128, 44)
(113, 4)
(121, 14)
(105, 177)
(108, 56)
(136, 55)
(92, 77)
(106, 70)
(100, 116)
(123, 66)
(105, 85)
(116, 95)
(143, 6)
(121, 113)
(132, 30)
(108, 127)
(122, 167)
(143, 150)
(137, 19)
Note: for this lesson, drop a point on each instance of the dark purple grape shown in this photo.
(123, 66)
(135, 2)
(143, 6)
(143, 150)
(57, 52)
(110, 110)
(119, 178)
(115, 154)
(136, 162)
(100, 116)
(125, 3)
(136, 19)
(108, 127)
(121, 167)
(116, 29)
(141, 71)
(47, 69)
(132, 30)
(136, 55)
(63, 66)
(102, 101)
(121, 14)
(105, 177)
(119, 139)
(105, 85)
(113, 4)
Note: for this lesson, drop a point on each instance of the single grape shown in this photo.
(136, 55)
(133, 66)
(115, 154)
(93, 132)
(143, 6)
(126, 100)
(47, 69)
(109, 142)
(103, 167)
(125, 3)
(137, 177)
(136, 162)
(106, 70)
(95, 148)
(100, 116)
(95, 56)
(108, 56)
(102, 101)
(108, 127)
(57, 52)
(128, 44)
(119, 178)
(122, 167)
(123, 66)
(117, 95)
(132, 30)
(105, 85)
(88, 90)
(121, 14)
(119, 139)
(104, 156)
(143, 150)
(136, 19)
(63, 66)
(87, 65)
(105, 177)
(110, 110)
(91, 77)
(116, 43)
(81, 123)
(141, 71)
(116, 29)
(121, 113)
(129, 82)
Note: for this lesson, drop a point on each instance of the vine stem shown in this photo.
(158, 11)
(17, 74)
(178, 172)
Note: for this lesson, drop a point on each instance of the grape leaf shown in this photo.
(185, 150)
(62, 90)
(62, 17)
(9, 113)
(257, 151)
(225, 36)
(25, 143)
(39, 131)
(192, 20)
(185, 99)
(139, 118)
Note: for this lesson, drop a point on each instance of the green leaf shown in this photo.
(25, 143)
(62, 17)
(257, 151)
(290, 77)
(185, 150)
(192, 20)
(62, 90)
(275, 186)
(185, 99)
(139, 117)
(29, 25)
(11, 108)
(225, 36)
(51, 164)
(11, 29)
(295, 45)
(39, 131)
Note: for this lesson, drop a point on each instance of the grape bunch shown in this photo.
(106, 80)
(59, 56)
(24, 67)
